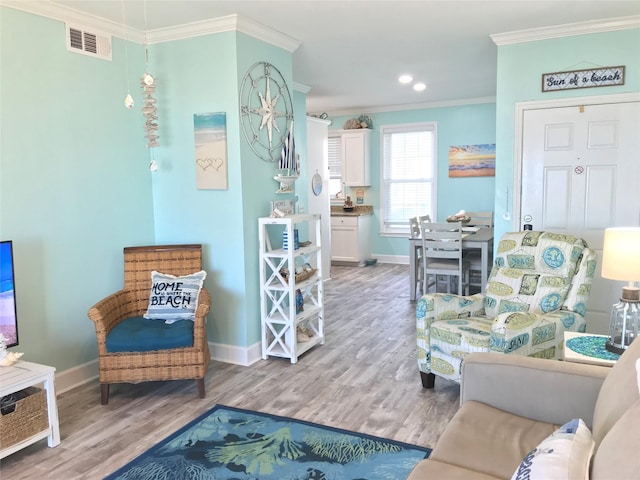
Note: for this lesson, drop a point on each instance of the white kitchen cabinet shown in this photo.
(356, 168)
(350, 239)
(288, 330)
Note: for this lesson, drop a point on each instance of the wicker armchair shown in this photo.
(132, 301)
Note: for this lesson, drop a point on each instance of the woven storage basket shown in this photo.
(28, 418)
(302, 275)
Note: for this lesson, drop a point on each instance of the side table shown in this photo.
(588, 348)
(23, 375)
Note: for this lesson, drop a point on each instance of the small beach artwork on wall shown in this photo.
(472, 160)
(210, 139)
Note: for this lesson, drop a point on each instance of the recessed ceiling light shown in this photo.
(418, 87)
(404, 79)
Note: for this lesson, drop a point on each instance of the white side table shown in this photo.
(588, 348)
(23, 375)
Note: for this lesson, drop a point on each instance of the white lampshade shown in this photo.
(621, 254)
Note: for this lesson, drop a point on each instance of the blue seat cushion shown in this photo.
(138, 334)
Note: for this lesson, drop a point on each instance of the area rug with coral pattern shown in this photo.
(235, 444)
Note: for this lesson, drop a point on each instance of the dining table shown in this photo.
(472, 239)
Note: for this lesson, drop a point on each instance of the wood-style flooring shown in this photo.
(365, 378)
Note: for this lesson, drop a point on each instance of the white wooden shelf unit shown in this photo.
(279, 319)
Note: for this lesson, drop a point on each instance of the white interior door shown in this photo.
(318, 162)
(580, 175)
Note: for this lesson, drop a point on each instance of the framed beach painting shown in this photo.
(472, 160)
(210, 138)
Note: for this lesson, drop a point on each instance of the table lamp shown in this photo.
(621, 261)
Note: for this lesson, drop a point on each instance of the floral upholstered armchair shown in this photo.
(537, 289)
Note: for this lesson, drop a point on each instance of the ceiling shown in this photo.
(352, 51)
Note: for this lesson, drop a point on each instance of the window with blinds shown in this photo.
(408, 175)
(335, 167)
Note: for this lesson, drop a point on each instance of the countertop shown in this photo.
(358, 210)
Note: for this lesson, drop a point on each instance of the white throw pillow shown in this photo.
(174, 298)
(638, 371)
(565, 454)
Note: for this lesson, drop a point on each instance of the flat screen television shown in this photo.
(8, 311)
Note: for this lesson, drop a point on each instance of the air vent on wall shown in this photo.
(94, 44)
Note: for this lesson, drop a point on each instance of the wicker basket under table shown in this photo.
(28, 418)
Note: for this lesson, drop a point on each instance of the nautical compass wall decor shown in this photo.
(265, 110)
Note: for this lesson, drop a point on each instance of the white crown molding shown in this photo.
(415, 106)
(228, 23)
(75, 17)
(301, 87)
(327, 122)
(205, 27)
(267, 34)
(566, 30)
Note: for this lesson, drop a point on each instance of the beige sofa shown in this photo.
(509, 404)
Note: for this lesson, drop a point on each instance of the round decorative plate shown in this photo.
(266, 110)
(316, 184)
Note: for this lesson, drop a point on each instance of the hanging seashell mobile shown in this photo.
(150, 111)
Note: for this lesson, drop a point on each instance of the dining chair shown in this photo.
(478, 219)
(414, 227)
(442, 254)
(414, 231)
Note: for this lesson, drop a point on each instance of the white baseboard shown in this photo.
(76, 376)
(244, 356)
(81, 374)
(394, 259)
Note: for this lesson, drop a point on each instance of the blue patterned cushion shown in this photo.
(452, 340)
(532, 272)
(581, 287)
(139, 334)
(174, 298)
(563, 455)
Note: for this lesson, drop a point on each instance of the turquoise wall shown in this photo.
(75, 185)
(457, 125)
(258, 185)
(520, 68)
(194, 83)
(203, 75)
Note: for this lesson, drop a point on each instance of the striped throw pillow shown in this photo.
(174, 298)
